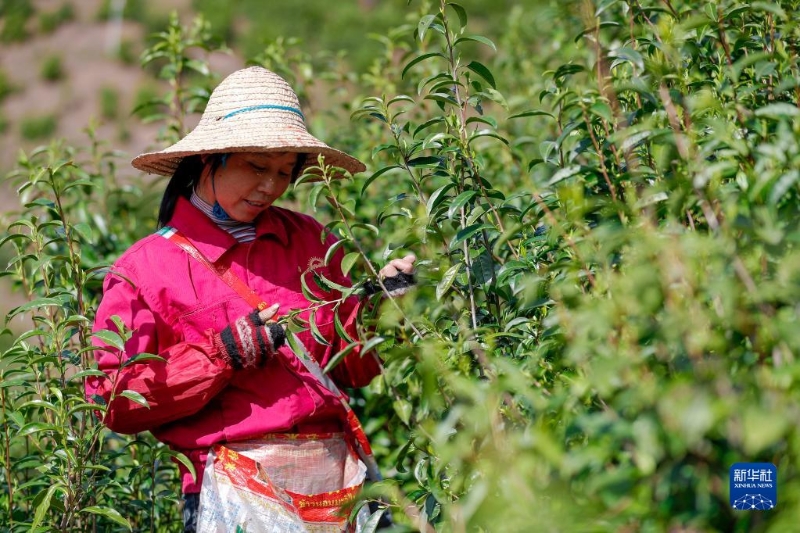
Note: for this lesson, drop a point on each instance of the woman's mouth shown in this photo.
(257, 205)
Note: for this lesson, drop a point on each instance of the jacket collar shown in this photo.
(213, 241)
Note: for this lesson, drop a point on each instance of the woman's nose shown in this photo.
(270, 181)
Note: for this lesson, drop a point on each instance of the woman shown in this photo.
(225, 374)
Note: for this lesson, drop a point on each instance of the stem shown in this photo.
(335, 202)
(463, 135)
(468, 263)
(7, 459)
(554, 223)
(601, 158)
(153, 496)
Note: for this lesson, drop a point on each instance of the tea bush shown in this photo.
(37, 128)
(52, 69)
(604, 203)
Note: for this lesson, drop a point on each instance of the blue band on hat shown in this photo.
(265, 106)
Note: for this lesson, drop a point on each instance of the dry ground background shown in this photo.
(88, 49)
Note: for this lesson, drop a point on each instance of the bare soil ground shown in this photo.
(87, 49)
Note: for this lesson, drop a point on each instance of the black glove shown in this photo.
(396, 285)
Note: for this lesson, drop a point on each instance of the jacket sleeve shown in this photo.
(357, 368)
(190, 375)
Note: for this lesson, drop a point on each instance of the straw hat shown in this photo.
(252, 110)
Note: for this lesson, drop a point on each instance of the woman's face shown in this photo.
(248, 183)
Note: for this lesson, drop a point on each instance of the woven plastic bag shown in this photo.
(281, 483)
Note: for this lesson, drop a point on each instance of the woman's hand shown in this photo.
(397, 277)
(251, 339)
(404, 265)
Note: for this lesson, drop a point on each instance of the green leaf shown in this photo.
(459, 202)
(604, 24)
(337, 324)
(403, 409)
(43, 505)
(315, 332)
(487, 133)
(745, 61)
(86, 407)
(530, 114)
(419, 59)
(461, 12)
(602, 110)
(770, 7)
(348, 261)
(369, 227)
(333, 249)
(481, 70)
(376, 175)
(182, 459)
(35, 304)
(489, 121)
(85, 231)
(468, 232)
(36, 427)
(437, 197)
(476, 38)
(424, 23)
(427, 161)
(778, 110)
(296, 345)
(110, 338)
(563, 173)
(427, 124)
(337, 358)
(142, 357)
(401, 456)
(447, 280)
(627, 54)
(443, 98)
(374, 519)
(108, 512)
(372, 343)
(307, 292)
(135, 397)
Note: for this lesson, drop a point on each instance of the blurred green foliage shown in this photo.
(51, 20)
(38, 128)
(249, 25)
(109, 103)
(6, 87)
(15, 15)
(51, 68)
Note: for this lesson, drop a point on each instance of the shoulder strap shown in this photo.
(234, 282)
(224, 273)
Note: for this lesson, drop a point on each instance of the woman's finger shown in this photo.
(403, 265)
(388, 271)
(269, 312)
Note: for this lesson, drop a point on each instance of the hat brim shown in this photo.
(165, 162)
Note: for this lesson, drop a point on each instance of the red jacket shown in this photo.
(174, 304)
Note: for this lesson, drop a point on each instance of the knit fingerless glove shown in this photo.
(249, 341)
(397, 285)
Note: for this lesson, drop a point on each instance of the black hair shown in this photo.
(298, 165)
(185, 178)
(183, 182)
